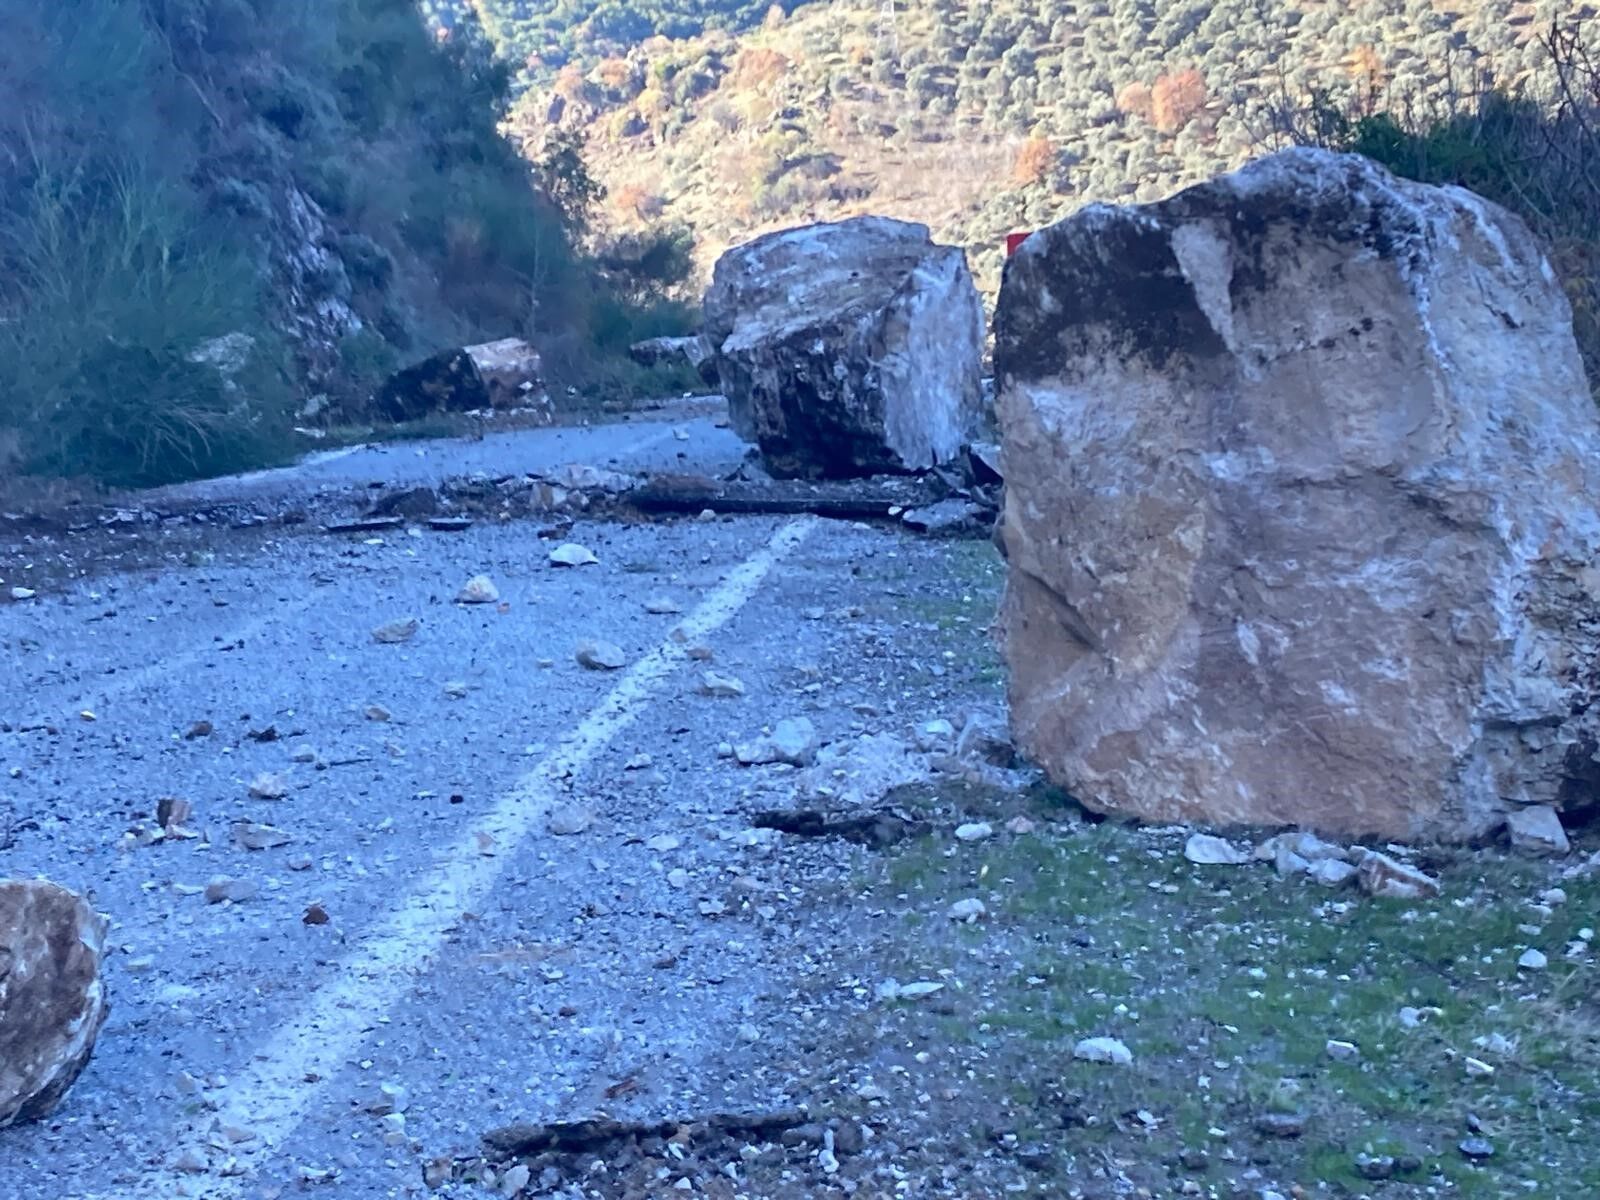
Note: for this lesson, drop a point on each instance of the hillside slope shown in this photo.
(319, 183)
(980, 117)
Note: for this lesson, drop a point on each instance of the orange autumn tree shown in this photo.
(1176, 99)
(1034, 159)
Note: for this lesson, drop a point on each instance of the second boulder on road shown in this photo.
(848, 349)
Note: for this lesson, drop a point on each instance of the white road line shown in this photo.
(270, 1096)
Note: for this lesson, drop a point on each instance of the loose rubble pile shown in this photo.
(848, 349)
(1292, 854)
(52, 1000)
(1301, 513)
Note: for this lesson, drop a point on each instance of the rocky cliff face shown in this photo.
(1301, 522)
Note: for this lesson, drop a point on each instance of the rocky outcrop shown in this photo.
(848, 349)
(1302, 472)
(52, 1001)
(495, 375)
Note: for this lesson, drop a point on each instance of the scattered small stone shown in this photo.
(1388, 878)
(601, 656)
(1477, 1068)
(1280, 1124)
(1533, 960)
(375, 712)
(678, 877)
(569, 819)
(974, 831)
(713, 684)
(968, 910)
(22, 593)
(1476, 1148)
(223, 888)
(662, 606)
(200, 729)
(315, 914)
(455, 689)
(303, 754)
(1211, 851)
(1194, 1160)
(1331, 872)
(570, 554)
(638, 762)
(251, 836)
(1375, 1167)
(936, 737)
(1103, 1050)
(172, 811)
(1343, 1051)
(267, 786)
(1537, 830)
(395, 632)
(515, 1179)
(663, 842)
(792, 741)
(1555, 897)
(480, 589)
(749, 1033)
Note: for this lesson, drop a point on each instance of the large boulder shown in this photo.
(848, 349)
(670, 351)
(52, 1001)
(505, 374)
(1302, 473)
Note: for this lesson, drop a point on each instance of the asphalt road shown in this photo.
(537, 878)
(687, 435)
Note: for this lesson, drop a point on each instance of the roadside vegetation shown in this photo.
(212, 211)
(980, 118)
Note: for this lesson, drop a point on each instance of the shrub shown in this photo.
(1176, 99)
(124, 286)
(1035, 159)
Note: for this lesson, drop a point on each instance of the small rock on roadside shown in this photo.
(1388, 878)
(662, 606)
(570, 554)
(601, 656)
(395, 632)
(792, 741)
(1280, 1124)
(1537, 830)
(968, 910)
(480, 589)
(267, 786)
(974, 831)
(1533, 960)
(1103, 1050)
(569, 819)
(1211, 851)
(1331, 872)
(225, 888)
(713, 684)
